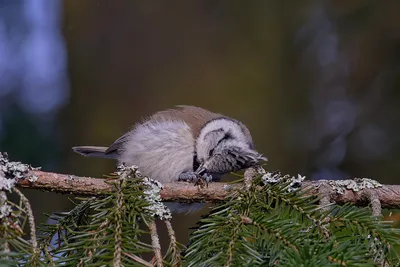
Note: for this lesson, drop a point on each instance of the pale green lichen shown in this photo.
(12, 171)
(356, 184)
(228, 187)
(5, 209)
(276, 177)
(338, 186)
(153, 196)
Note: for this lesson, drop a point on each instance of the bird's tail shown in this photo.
(94, 151)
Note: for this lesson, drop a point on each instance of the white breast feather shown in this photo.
(161, 149)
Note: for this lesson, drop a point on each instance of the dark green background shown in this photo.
(315, 81)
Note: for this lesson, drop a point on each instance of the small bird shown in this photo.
(183, 143)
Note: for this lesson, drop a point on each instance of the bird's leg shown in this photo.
(195, 177)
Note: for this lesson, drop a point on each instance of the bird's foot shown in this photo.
(207, 177)
(188, 177)
(194, 177)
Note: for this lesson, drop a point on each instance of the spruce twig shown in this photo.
(155, 243)
(375, 202)
(32, 226)
(173, 245)
(271, 219)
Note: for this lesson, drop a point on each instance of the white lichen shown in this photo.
(276, 177)
(32, 178)
(5, 209)
(228, 187)
(356, 184)
(6, 183)
(12, 171)
(153, 197)
(151, 193)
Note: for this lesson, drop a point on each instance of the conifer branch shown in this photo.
(388, 195)
(31, 220)
(138, 259)
(155, 242)
(173, 246)
(266, 220)
(118, 227)
(5, 247)
(375, 203)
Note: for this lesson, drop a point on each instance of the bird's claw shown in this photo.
(197, 179)
(207, 177)
(203, 180)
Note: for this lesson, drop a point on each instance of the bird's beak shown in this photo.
(200, 170)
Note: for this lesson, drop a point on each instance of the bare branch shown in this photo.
(388, 195)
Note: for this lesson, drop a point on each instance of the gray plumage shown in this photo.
(181, 143)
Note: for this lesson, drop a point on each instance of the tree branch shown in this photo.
(388, 195)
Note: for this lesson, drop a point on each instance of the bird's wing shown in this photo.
(195, 117)
(115, 147)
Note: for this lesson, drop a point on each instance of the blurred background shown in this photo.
(317, 82)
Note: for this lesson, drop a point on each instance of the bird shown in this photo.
(184, 143)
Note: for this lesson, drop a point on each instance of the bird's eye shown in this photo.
(211, 152)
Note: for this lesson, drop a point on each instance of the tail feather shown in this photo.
(94, 151)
